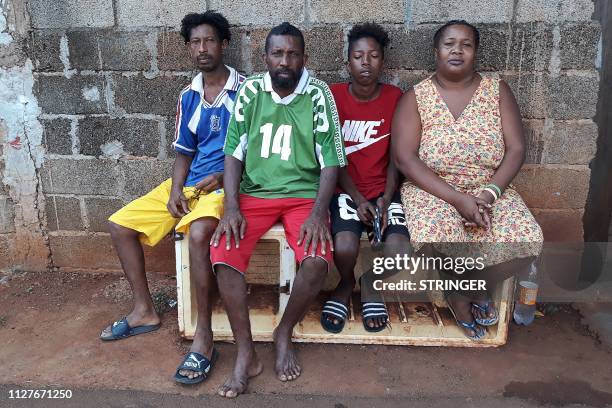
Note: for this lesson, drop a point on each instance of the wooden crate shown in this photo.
(270, 273)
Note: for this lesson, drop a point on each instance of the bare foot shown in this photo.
(463, 312)
(202, 344)
(287, 365)
(491, 311)
(135, 319)
(247, 366)
(376, 322)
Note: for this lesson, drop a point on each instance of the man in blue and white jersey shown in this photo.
(191, 200)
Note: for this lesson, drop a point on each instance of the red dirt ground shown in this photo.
(50, 322)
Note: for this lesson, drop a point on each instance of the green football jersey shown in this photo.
(284, 142)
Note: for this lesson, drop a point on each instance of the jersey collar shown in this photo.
(232, 83)
(299, 89)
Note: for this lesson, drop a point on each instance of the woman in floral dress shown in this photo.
(458, 139)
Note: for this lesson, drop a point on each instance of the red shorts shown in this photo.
(261, 214)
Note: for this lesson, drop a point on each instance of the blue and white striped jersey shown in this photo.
(201, 127)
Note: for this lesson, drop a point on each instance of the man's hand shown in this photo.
(313, 232)
(365, 211)
(232, 223)
(177, 203)
(383, 206)
(210, 182)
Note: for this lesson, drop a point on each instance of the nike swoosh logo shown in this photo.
(363, 145)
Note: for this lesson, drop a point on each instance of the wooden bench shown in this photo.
(270, 275)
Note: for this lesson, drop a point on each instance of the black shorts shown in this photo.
(344, 216)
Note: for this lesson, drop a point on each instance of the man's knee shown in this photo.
(201, 231)
(119, 231)
(226, 274)
(314, 269)
(346, 247)
(397, 244)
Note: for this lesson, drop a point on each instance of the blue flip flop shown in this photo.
(121, 330)
(479, 331)
(196, 362)
(488, 321)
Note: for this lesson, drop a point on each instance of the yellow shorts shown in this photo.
(150, 216)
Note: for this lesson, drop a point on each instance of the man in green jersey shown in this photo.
(283, 150)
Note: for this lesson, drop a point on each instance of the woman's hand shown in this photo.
(474, 210)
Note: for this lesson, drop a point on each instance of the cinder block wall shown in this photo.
(104, 76)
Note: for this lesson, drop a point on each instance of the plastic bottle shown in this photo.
(525, 304)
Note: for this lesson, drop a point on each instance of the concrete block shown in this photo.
(553, 187)
(77, 95)
(172, 52)
(270, 13)
(56, 135)
(83, 252)
(170, 125)
(124, 51)
(570, 142)
(136, 137)
(98, 211)
(136, 94)
(560, 225)
(257, 42)
(156, 13)
(109, 50)
(534, 140)
(45, 50)
(441, 11)
(531, 47)
(141, 176)
(63, 213)
(554, 10)
(346, 11)
(405, 79)
(324, 48)
(95, 251)
(173, 55)
(79, 176)
(84, 50)
(71, 13)
(7, 215)
(493, 47)
(530, 91)
(331, 77)
(579, 45)
(412, 49)
(573, 97)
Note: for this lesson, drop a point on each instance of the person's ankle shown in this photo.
(282, 333)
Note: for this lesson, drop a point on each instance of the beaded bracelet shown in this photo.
(492, 192)
(496, 188)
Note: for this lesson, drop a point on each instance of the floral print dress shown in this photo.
(465, 153)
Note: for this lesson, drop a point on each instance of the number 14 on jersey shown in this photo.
(281, 143)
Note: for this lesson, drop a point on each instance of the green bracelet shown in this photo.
(494, 187)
